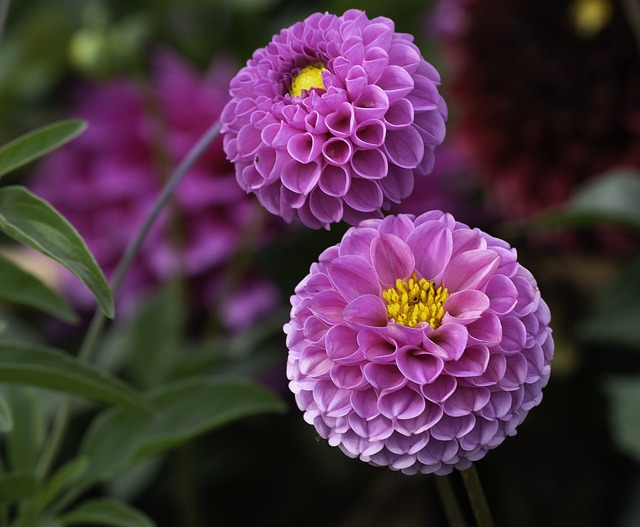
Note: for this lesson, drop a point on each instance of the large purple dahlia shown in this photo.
(333, 119)
(418, 343)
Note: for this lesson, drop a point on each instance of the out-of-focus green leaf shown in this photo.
(617, 314)
(183, 410)
(624, 394)
(37, 143)
(6, 418)
(15, 486)
(24, 442)
(64, 476)
(154, 338)
(33, 222)
(611, 198)
(53, 369)
(108, 512)
(23, 288)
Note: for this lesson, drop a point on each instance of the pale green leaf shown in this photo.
(33, 222)
(37, 143)
(183, 410)
(15, 486)
(66, 475)
(624, 394)
(53, 369)
(108, 512)
(20, 287)
(6, 418)
(24, 442)
(611, 198)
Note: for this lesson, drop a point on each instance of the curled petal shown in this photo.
(391, 259)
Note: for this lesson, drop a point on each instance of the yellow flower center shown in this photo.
(415, 301)
(590, 16)
(307, 78)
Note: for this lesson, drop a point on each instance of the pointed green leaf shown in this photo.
(24, 442)
(109, 512)
(64, 476)
(53, 369)
(33, 222)
(624, 394)
(37, 143)
(183, 410)
(6, 418)
(15, 486)
(23, 288)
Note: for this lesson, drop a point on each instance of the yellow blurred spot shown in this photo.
(590, 16)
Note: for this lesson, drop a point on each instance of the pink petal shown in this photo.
(402, 404)
(377, 347)
(473, 362)
(448, 341)
(417, 365)
(431, 244)
(364, 195)
(353, 276)
(366, 310)
(328, 306)
(342, 346)
(404, 147)
(300, 178)
(470, 270)
(465, 306)
(391, 258)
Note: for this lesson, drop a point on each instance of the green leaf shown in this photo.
(37, 143)
(624, 394)
(616, 314)
(64, 476)
(6, 418)
(15, 486)
(33, 222)
(24, 442)
(109, 512)
(23, 288)
(612, 198)
(154, 338)
(183, 410)
(53, 369)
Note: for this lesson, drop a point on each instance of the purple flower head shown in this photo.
(333, 119)
(105, 183)
(418, 343)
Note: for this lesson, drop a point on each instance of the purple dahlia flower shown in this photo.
(418, 344)
(333, 119)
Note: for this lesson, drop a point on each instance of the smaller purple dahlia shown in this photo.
(418, 343)
(333, 119)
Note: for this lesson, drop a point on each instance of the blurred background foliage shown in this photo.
(575, 461)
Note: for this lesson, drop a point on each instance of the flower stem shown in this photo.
(476, 497)
(92, 336)
(4, 13)
(450, 503)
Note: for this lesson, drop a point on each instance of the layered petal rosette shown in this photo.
(418, 343)
(333, 119)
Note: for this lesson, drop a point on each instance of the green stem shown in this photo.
(4, 13)
(450, 503)
(92, 336)
(476, 497)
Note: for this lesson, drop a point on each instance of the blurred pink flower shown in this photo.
(106, 181)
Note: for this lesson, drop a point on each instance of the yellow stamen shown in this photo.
(590, 16)
(307, 78)
(415, 301)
